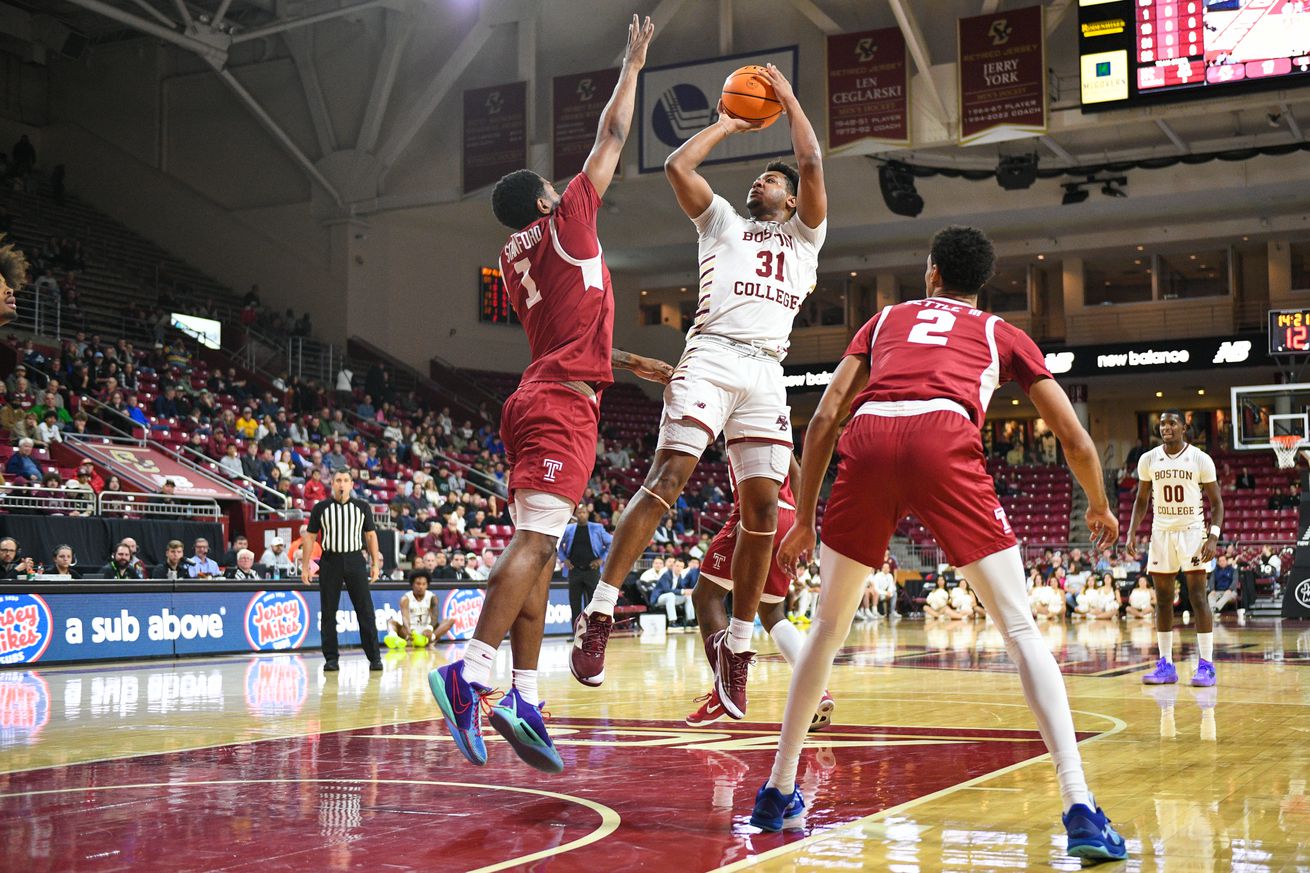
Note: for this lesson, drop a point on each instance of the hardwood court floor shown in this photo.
(264, 763)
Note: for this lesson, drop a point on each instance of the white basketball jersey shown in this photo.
(754, 275)
(1176, 486)
(420, 611)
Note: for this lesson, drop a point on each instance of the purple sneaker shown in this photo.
(1204, 675)
(1165, 673)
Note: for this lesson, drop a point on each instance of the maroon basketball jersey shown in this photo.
(561, 291)
(941, 348)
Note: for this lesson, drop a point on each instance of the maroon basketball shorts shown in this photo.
(929, 465)
(717, 563)
(549, 431)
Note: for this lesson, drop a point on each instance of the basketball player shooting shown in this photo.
(1174, 475)
(919, 376)
(561, 291)
(754, 274)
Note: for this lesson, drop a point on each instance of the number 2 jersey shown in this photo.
(561, 291)
(940, 348)
(753, 275)
(1176, 482)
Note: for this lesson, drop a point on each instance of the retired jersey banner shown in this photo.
(1002, 71)
(495, 133)
(579, 101)
(677, 101)
(868, 90)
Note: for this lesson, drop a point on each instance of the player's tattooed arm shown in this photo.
(650, 369)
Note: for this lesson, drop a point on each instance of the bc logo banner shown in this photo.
(25, 628)
(276, 620)
(464, 605)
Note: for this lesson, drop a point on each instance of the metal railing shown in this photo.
(37, 499)
(163, 506)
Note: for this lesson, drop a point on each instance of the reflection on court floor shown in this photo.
(933, 763)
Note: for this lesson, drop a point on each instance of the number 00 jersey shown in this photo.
(1176, 486)
(560, 287)
(753, 275)
(939, 348)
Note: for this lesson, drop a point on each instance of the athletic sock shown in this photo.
(1166, 641)
(997, 580)
(1205, 646)
(789, 641)
(739, 635)
(526, 683)
(479, 661)
(603, 600)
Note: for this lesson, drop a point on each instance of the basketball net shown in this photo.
(1285, 446)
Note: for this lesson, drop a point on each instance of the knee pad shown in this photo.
(681, 436)
(541, 512)
(755, 459)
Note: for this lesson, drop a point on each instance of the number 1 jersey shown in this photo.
(1176, 482)
(942, 348)
(561, 291)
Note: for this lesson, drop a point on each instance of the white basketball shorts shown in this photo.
(720, 390)
(1174, 551)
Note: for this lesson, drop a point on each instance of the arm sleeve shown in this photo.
(315, 523)
(370, 526)
(1022, 361)
(1206, 465)
(717, 218)
(1144, 467)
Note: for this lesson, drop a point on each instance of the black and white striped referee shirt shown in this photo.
(341, 526)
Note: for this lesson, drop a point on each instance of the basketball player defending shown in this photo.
(1174, 475)
(919, 376)
(561, 291)
(754, 274)
(716, 579)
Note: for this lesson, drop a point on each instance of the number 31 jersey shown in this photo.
(753, 275)
(1176, 486)
(939, 348)
(561, 291)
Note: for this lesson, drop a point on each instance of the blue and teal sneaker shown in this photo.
(772, 807)
(1091, 836)
(461, 707)
(523, 727)
(1165, 673)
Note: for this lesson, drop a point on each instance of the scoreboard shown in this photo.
(494, 305)
(1289, 331)
(1146, 51)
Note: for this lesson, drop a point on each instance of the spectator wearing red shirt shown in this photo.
(315, 490)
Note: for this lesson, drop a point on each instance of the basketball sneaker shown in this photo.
(391, 641)
(461, 707)
(711, 710)
(823, 714)
(730, 672)
(1204, 675)
(1091, 836)
(1165, 673)
(712, 645)
(772, 808)
(591, 634)
(522, 726)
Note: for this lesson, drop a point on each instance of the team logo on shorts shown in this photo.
(999, 512)
(24, 706)
(718, 561)
(552, 468)
(276, 620)
(783, 423)
(26, 628)
(465, 606)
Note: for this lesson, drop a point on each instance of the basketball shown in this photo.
(748, 95)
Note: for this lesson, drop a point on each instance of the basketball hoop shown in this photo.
(1285, 446)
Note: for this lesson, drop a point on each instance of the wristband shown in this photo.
(1214, 531)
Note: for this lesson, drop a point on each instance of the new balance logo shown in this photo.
(1232, 352)
(552, 469)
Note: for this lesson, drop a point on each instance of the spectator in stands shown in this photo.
(1245, 480)
(669, 593)
(201, 566)
(1141, 600)
(166, 403)
(29, 428)
(344, 387)
(62, 563)
(315, 490)
(120, 566)
(142, 570)
(245, 567)
(251, 466)
(231, 461)
(457, 571)
(48, 431)
(82, 483)
(239, 542)
(247, 426)
(52, 402)
(1226, 589)
(20, 467)
(174, 567)
(11, 566)
(276, 559)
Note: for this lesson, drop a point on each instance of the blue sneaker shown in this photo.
(1204, 675)
(1091, 836)
(1165, 673)
(772, 807)
(461, 707)
(521, 724)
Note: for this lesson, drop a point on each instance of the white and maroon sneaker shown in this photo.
(730, 674)
(590, 636)
(823, 713)
(711, 710)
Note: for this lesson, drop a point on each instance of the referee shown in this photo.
(346, 524)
